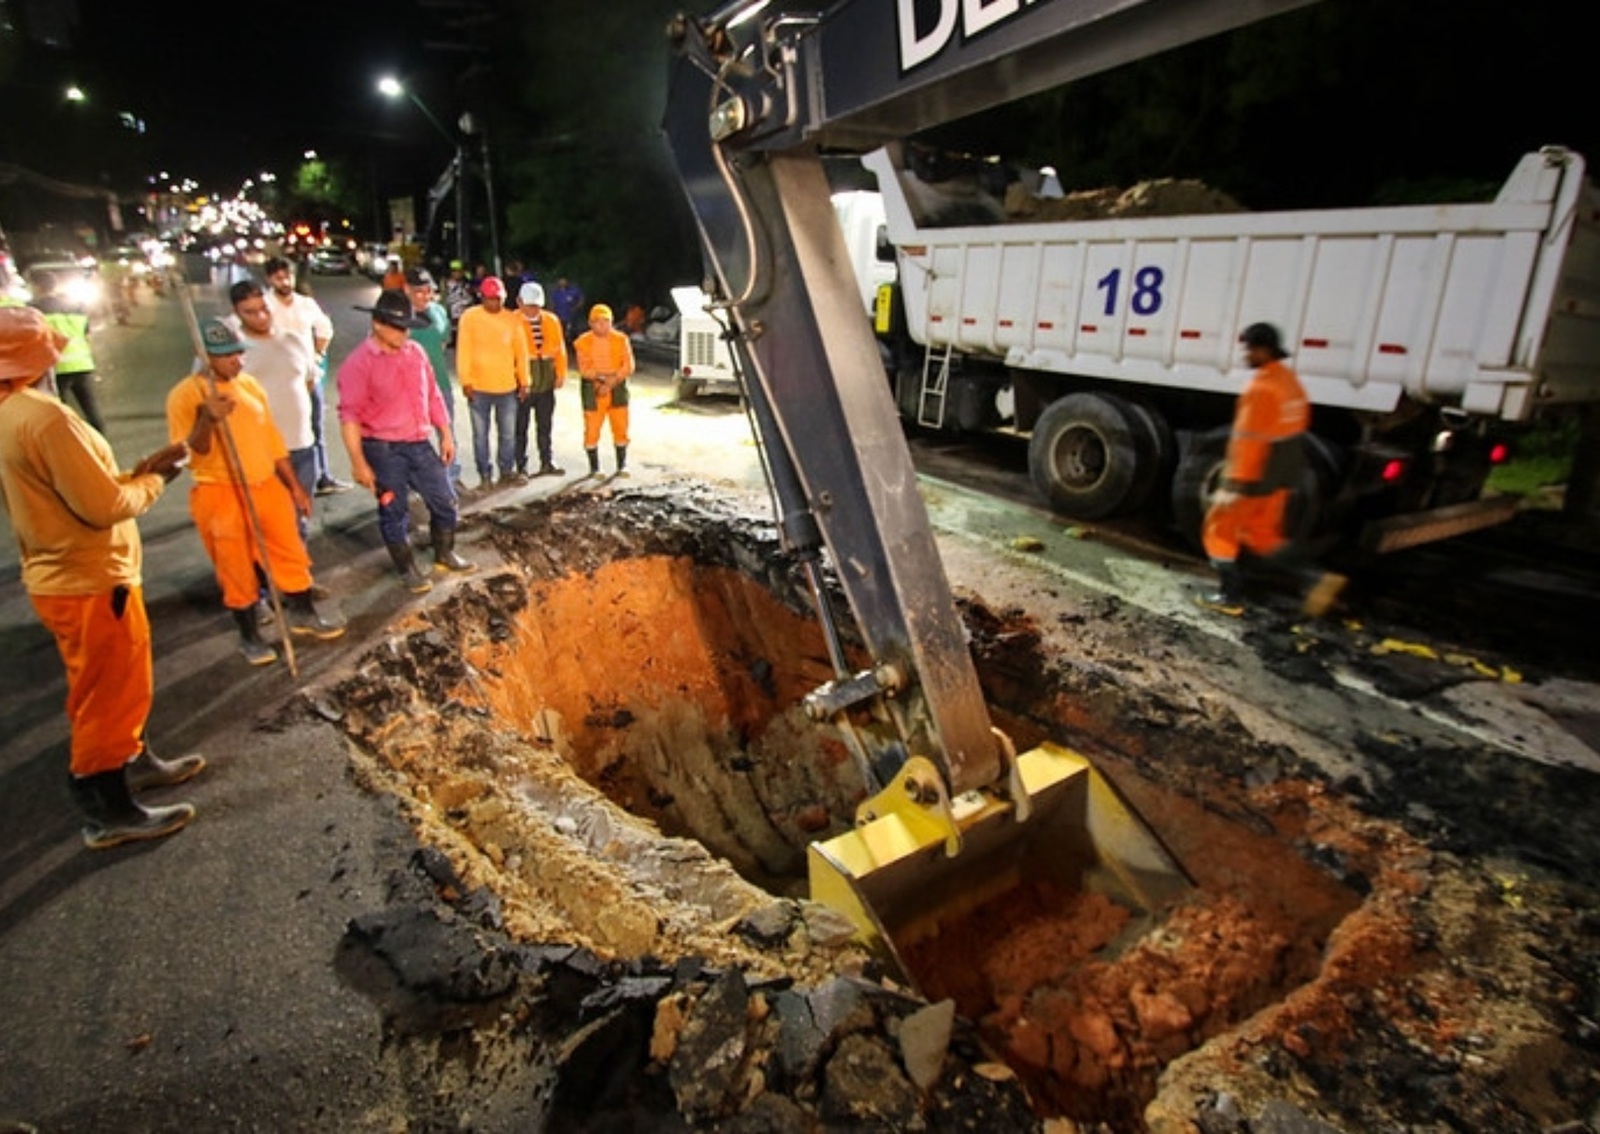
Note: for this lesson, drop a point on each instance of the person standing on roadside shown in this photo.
(492, 364)
(283, 365)
(1264, 462)
(389, 408)
(74, 516)
(299, 314)
(434, 338)
(605, 361)
(566, 300)
(547, 373)
(245, 499)
(75, 368)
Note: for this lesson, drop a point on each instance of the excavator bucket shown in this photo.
(918, 860)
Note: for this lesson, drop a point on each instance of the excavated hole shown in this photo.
(578, 727)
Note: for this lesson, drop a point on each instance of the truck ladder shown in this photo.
(935, 385)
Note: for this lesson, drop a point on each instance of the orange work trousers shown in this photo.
(223, 520)
(104, 641)
(605, 413)
(1247, 523)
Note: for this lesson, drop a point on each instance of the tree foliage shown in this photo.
(592, 193)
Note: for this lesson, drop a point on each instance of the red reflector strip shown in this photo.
(1391, 348)
(968, 321)
(1321, 344)
(1188, 334)
(1007, 323)
(1088, 328)
(936, 318)
(1137, 331)
(1047, 326)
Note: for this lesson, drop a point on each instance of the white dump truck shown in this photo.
(1423, 335)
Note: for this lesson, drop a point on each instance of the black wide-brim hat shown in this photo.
(394, 309)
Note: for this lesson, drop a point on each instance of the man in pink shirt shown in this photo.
(389, 410)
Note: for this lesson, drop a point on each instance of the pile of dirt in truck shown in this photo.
(599, 743)
(1161, 197)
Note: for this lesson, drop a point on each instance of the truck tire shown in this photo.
(1200, 471)
(1158, 455)
(1091, 456)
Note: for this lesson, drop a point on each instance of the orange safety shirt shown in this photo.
(255, 435)
(492, 350)
(1272, 409)
(71, 509)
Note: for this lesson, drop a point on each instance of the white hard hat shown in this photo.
(531, 295)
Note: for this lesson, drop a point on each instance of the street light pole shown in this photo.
(391, 87)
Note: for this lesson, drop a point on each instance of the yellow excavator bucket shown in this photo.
(918, 859)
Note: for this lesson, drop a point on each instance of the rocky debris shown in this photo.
(606, 1045)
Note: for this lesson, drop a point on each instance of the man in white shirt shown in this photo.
(282, 363)
(302, 315)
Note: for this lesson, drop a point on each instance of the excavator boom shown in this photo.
(756, 93)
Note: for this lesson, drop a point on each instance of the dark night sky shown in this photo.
(228, 89)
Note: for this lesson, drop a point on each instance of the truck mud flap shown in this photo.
(917, 861)
(1396, 533)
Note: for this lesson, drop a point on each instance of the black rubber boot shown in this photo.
(255, 651)
(411, 576)
(622, 460)
(444, 550)
(115, 817)
(147, 770)
(594, 461)
(301, 613)
(1228, 598)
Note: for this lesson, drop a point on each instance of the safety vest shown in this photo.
(76, 357)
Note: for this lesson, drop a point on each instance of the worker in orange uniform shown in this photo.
(1265, 460)
(547, 373)
(246, 496)
(605, 361)
(74, 516)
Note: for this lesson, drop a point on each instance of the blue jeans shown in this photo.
(541, 408)
(319, 446)
(304, 463)
(398, 467)
(450, 408)
(504, 409)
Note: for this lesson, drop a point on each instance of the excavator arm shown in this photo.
(757, 93)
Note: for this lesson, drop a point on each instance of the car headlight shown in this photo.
(82, 292)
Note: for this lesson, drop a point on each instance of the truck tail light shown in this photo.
(1393, 470)
(1499, 453)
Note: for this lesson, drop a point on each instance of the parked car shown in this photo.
(371, 259)
(332, 262)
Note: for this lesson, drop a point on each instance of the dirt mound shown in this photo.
(1164, 197)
